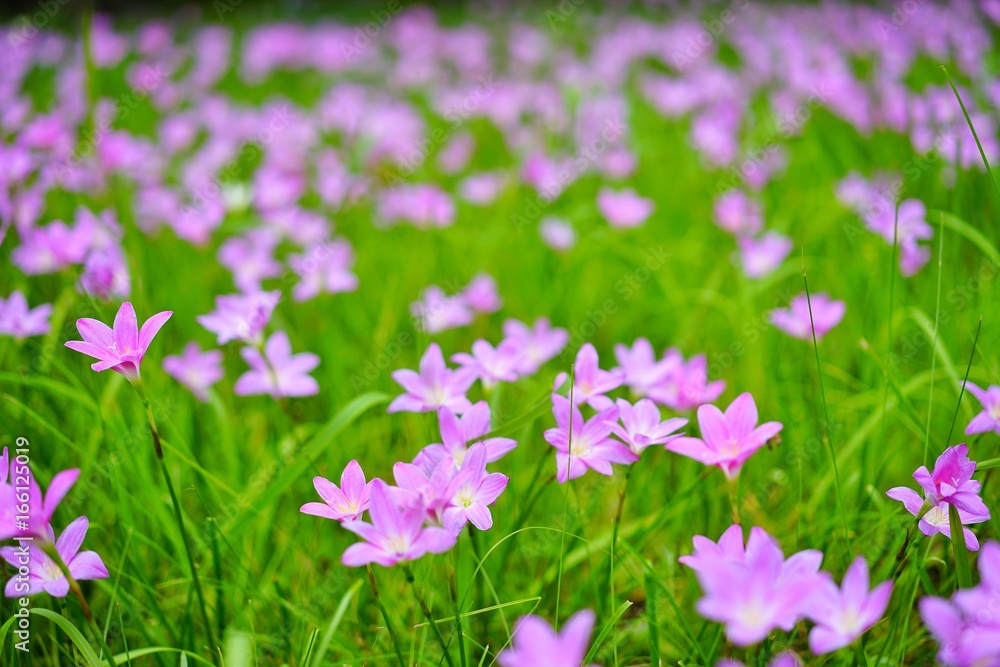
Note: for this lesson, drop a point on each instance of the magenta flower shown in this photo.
(435, 386)
(17, 320)
(624, 208)
(195, 369)
(536, 644)
(426, 491)
(240, 316)
(277, 371)
(395, 534)
(936, 519)
(737, 214)
(967, 627)
(844, 614)
(794, 321)
(457, 433)
(51, 248)
(590, 382)
(472, 491)
(686, 386)
(640, 368)
(727, 439)
(590, 447)
(761, 256)
(346, 503)
(641, 426)
(121, 349)
(989, 418)
(757, 591)
(557, 233)
(36, 522)
(481, 294)
(250, 258)
(490, 364)
(43, 573)
(323, 267)
(536, 344)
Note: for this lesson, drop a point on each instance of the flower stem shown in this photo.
(959, 548)
(453, 589)
(74, 586)
(734, 499)
(178, 516)
(427, 614)
(385, 617)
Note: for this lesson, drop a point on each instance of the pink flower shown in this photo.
(536, 345)
(557, 233)
(44, 574)
(346, 503)
(967, 627)
(783, 659)
(641, 426)
(17, 320)
(761, 256)
(13, 474)
(640, 368)
(728, 439)
(590, 382)
(754, 591)
(277, 372)
(737, 214)
(590, 446)
(323, 267)
(436, 312)
(795, 321)
(121, 349)
(624, 208)
(686, 386)
(472, 491)
(481, 294)
(536, 644)
(195, 369)
(989, 418)
(844, 614)
(435, 386)
(490, 364)
(457, 433)
(395, 534)
(250, 258)
(240, 316)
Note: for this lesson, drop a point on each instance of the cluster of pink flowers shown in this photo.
(26, 517)
(446, 487)
(754, 590)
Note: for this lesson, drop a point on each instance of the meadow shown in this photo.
(388, 252)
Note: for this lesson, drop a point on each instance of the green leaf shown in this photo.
(960, 549)
(335, 622)
(86, 650)
(605, 630)
(306, 457)
(153, 650)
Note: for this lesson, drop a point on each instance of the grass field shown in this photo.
(276, 127)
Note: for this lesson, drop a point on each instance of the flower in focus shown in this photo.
(277, 371)
(624, 208)
(195, 369)
(472, 491)
(844, 614)
(965, 626)
(395, 534)
(590, 383)
(728, 438)
(121, 349)
(795, 321)
(17, 320)
(641, 426)
(989, 418)
(44, 574)
(581, 445)
(344, 503)
(435, 386)
(536, 644)
(240, 316)
(457, 433)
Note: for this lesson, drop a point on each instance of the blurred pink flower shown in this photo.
(195, 369)
(795, 321)
(17, 320)
(277, 372)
